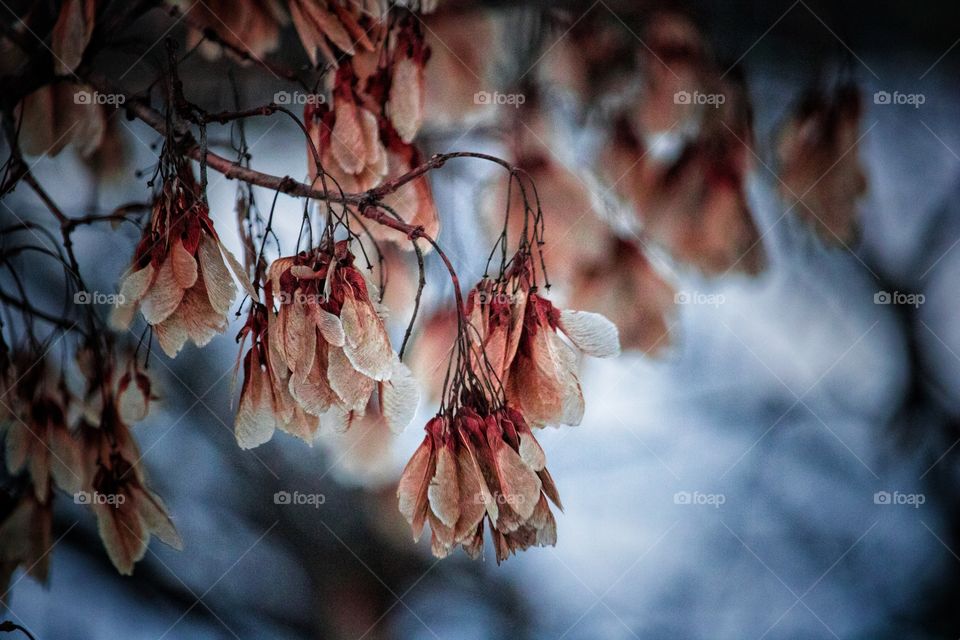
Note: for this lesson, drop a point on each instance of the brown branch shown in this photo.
(232, 170)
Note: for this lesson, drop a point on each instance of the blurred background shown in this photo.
(775, 457)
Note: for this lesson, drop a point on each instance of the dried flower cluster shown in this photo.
(81, 444)
(365, 136)
(325, 353)
(511, 369)
(179, 279)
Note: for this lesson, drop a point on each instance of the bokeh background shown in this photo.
(727, 488)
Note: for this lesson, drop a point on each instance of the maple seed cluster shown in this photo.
(479, 461)
(325, 353)
(180, 277)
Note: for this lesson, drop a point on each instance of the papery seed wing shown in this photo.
(472, 465)
(550, 487)
(399, 398)
(123, 534)
(520, 485)
(132, 402)
(367, 344)
(376, 155)
(156, 519)
(194, 319)
(414, 484)
(132, 288)
(545, 524)
(300, 339)
(347, 138)
(443, 492)
(590, 332)
(66, 464)
(329, 25)
(184, 265)
(474, 495)
(441, 536)
(219, 284)
(255, 421)
(276, 355)
(329, 325)
(163, 296)
(353, 388)
(313, 391)
(309, 32)
(301, 424)
(238, 272)
(172, 334)
(405, 104)
(71, 33)
(530, 450)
